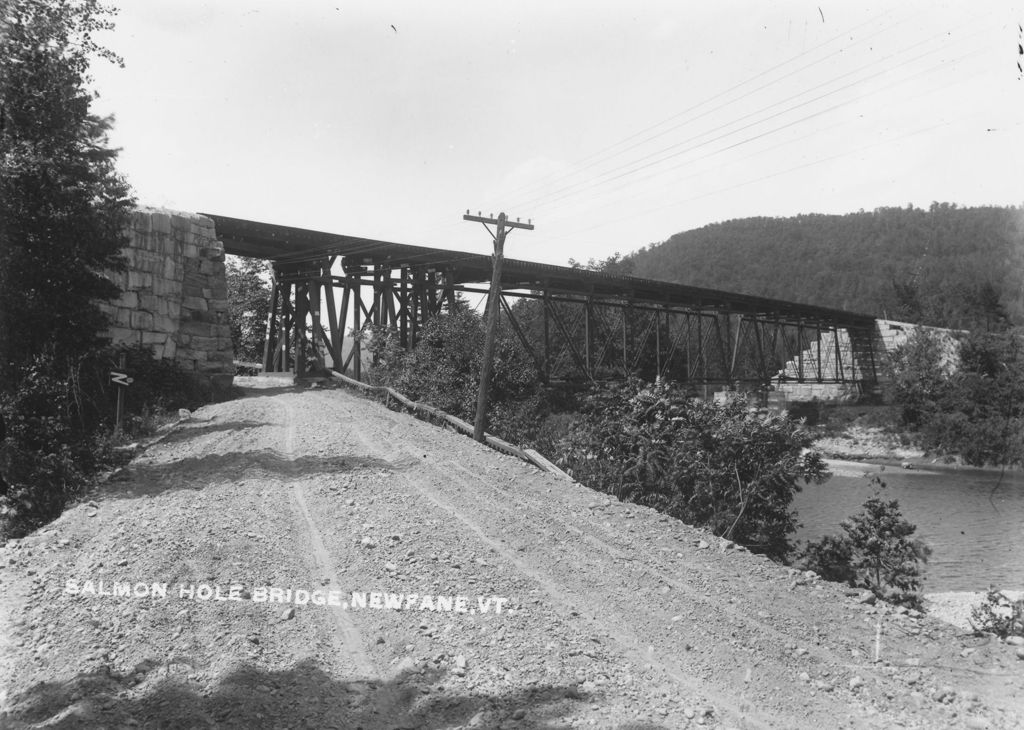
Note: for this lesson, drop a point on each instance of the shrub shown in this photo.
(444, 370)
(59, 425)
(876, 553)
(998, 615)
(725, 467)
(977, 410)
(249, 292)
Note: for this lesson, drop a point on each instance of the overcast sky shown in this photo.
(610, 124)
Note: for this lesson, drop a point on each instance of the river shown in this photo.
(973, 522)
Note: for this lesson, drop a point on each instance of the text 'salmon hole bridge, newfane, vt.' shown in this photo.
(573, 323)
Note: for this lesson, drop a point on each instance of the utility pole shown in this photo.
(500, 223)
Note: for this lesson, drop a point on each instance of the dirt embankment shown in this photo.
(578, 611)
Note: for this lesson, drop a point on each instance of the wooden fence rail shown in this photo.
(528, 455)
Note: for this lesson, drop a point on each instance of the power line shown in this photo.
(568, 215)
(760, 179)
(576, 188)
(725, 92)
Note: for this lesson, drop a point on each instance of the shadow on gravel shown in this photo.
(140, 480)
(250, 392)
(184, 433)
(302, 697)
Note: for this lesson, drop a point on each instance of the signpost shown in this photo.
(122, 381)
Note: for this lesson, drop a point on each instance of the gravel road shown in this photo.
(526, 601)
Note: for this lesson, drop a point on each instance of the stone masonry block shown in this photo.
(195, 303)
(161, 222)
(163, 323)
(121, 335)
(207, 344)
(195, 327)
(154, 338)
(166, 287)
(142, 320)
(139, 280)
(148, 302)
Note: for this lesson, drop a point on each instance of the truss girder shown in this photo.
(566, 334)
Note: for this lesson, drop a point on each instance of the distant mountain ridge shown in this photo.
(945, 266)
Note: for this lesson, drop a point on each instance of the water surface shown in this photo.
(972, 519)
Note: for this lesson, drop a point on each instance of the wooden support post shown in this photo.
(588, 334)
(269, 341)
(820, 374)
(657, 342)
(332, 323)
(735, 348)
(840, 373)
(800, 352)
(403, 317)
(492, 330)
(547, 334)
(357, 350)
(284, 340)
(315, 315)
(301, 308)
(625, 341)
(493, 311)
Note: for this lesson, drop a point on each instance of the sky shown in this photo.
(610, 125)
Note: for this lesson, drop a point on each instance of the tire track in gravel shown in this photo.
(571, 604)
(347, 638)
(778, 693)
(645, 571)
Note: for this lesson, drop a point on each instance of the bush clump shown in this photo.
(876, 552)
(59, 427)
(726, 467)
(444, 370)
(999, 615)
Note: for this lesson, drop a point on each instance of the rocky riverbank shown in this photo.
(863, 443)
(955, 607)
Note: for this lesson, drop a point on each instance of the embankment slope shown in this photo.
(615, 616)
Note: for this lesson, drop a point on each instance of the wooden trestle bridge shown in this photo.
(574, 323)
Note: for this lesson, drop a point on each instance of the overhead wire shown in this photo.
(604, 178)
(581, 166)
(568, 216)
(687, 163)
(451, 226)
(745, 183)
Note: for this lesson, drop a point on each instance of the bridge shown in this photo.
(574, 323)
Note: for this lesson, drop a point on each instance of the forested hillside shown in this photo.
(945, 266)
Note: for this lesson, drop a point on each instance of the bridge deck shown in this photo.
(285, 245)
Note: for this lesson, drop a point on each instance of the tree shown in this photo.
(978, 412)
(248, 305)
(63, 216)
(975, 410)
(63, 207)
(876, 552)
(920, 367)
